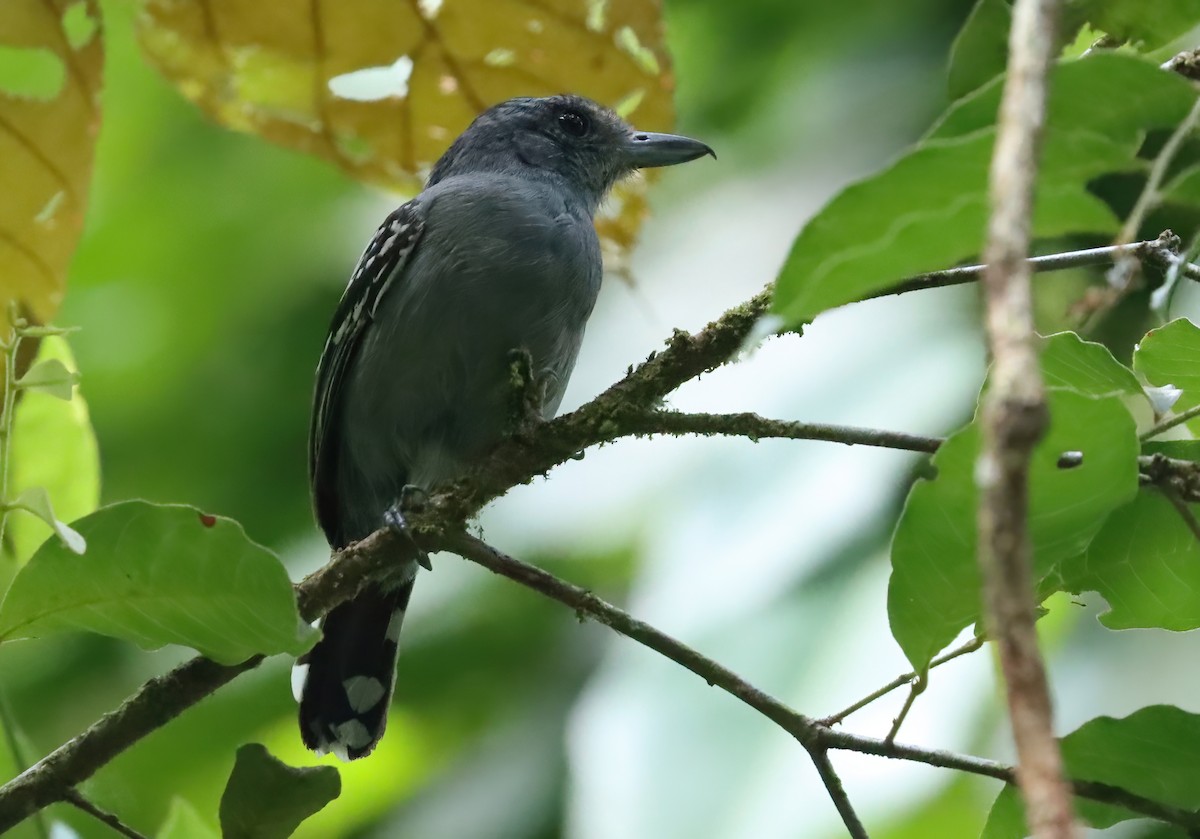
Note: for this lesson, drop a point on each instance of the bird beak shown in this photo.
(643, 150)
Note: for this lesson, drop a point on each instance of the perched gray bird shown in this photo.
(498, 254)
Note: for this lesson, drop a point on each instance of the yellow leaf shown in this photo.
(51, 57)
(381, 87)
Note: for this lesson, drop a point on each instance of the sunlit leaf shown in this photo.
(1151, 752)
(928, 210)
(53, 447)
(159, 574)
(267, 799)
(381, 89)
(934, 591)
(50, 75)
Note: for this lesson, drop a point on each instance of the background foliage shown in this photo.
(203, 284)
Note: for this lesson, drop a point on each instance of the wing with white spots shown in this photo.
(381, 264)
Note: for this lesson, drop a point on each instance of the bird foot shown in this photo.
(411, 498)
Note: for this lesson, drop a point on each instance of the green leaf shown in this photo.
(934, 591)
(183, 822)
(1151, 752)
(1070, 362)
(36, 501)
(54, 447)
(1135, 21)
(928, 210)
(160, 574)
(1146, 563)
(1170, 355)
(49, 376)
(267, 799)
(980, 51)
(1138, 96)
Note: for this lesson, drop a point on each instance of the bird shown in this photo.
(497, 254)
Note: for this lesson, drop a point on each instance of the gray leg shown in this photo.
(411, 498)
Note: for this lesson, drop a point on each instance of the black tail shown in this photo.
(344, 684)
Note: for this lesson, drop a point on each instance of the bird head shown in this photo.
(567, 137)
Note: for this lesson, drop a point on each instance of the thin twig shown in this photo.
(1014, 418)
(1185, 512)
(165, 697)
(1180, 476)
(11, 347)
(1152, 250)
(755, 427)
(809, 732)
(1151, 194)
(914, 690)
(837, 793)
(971, 646)
(1124, 272)
(76, 799)
(1168, 424)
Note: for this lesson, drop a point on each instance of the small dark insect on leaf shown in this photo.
(207, 520)
(1069, 460)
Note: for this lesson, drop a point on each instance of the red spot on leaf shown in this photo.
(207, 520)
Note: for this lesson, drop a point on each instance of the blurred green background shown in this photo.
(211, 264)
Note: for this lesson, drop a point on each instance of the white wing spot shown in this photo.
(393, 630)
(363, 692)
(299, 676)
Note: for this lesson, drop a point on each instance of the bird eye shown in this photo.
(574, 123)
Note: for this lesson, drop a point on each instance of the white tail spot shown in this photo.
(363, 692)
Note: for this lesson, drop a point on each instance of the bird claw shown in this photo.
(528, 390)
(411, 498)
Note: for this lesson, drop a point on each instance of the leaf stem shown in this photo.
(11, 348)
(971, 646)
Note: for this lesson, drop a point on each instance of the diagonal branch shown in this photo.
(631, 406)
(165, 697)
(812, 734)
(837, 793)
